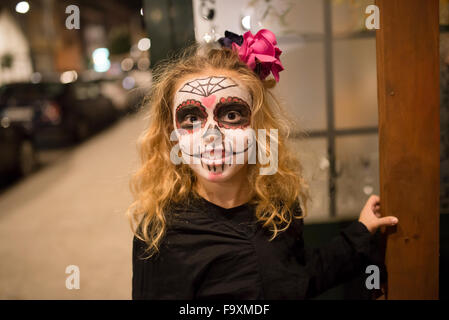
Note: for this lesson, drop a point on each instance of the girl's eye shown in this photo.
(190, 120)
(189, 116)
(232, 116)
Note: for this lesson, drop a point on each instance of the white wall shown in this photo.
(13, 41)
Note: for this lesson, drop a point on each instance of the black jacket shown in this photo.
(214, 253)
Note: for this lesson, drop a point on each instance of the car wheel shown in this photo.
(27, 158)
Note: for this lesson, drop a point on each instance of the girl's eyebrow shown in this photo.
(232, 99)
(189, 103)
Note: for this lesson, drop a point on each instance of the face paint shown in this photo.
(213, 118)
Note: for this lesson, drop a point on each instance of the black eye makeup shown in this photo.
(190, 112)
(232, 113)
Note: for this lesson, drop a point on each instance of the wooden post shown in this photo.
(409, 143)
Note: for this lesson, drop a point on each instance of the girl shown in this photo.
(220, 199)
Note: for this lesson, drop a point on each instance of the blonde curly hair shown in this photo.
(158, 182)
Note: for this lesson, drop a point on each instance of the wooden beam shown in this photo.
(409, 143)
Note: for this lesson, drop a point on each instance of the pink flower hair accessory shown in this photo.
(260, 53)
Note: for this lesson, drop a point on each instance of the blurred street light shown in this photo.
(101, 59)
(5, 122)
(22, 7)
(36, 77)
(127, 64)
(69, 76)
(128, 83)
(144, 44)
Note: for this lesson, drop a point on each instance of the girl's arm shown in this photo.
(338, 261)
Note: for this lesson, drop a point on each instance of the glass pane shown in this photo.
(355, 83)
(302, 84)
(348, 16)
(357, 163)
(312, 153)
(284, 17)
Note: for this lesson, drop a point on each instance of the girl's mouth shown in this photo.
(214, 153)
(222, 160)
(215, 168)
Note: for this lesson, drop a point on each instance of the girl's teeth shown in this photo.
(215, 168)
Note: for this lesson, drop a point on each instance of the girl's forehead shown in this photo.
(207, 86)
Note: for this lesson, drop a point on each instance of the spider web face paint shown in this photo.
(207, 86)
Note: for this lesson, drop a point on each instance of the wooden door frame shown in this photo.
(407, 50)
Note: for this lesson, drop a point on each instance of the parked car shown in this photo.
(17, 150)
(126, 101)
(57, 112)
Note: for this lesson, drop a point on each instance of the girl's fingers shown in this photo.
(375, 199)
(387, 221)
(373, 202)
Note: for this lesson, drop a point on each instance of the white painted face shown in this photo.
(213, 115)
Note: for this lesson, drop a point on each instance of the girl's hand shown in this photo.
(371, 218)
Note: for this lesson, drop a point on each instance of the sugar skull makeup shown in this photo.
(212, 118)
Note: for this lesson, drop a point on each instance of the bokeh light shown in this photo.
(68, 76)
(144, 44)
(128, 83)
(100, 57)
(22, 7)
(127, 64)
(143, 64)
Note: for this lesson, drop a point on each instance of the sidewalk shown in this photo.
(72, 213)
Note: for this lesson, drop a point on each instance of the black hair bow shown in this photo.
(229, 38)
